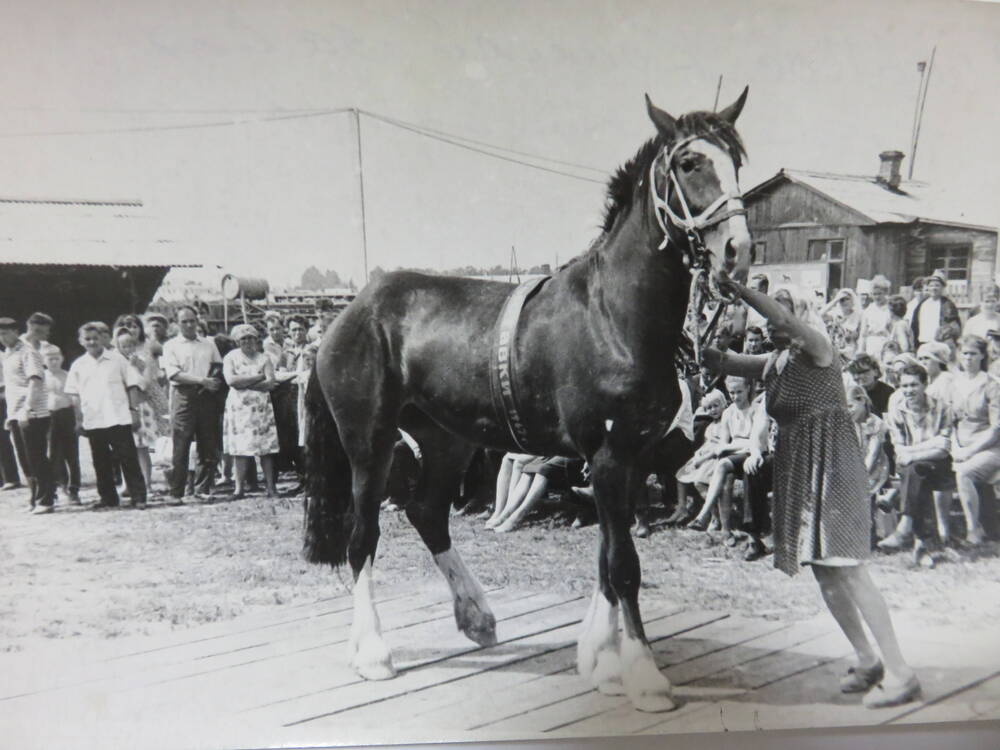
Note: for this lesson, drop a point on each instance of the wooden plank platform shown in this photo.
(280, 678)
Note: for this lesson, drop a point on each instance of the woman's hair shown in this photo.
(881, 282)
(889, 346)
(897, 306)
(980, 343)
(122, 331)
(128, 319)
(857, 392)
(862, 362)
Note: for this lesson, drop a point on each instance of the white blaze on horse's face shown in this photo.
(729, 240)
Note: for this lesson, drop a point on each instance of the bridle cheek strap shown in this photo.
(691, 225)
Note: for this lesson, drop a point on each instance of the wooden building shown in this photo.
(830, 230)
(79, 260)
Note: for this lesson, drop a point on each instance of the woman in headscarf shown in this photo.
(821, 510)
(248, 425)
(934, 357)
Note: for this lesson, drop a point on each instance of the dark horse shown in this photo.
(596, 376)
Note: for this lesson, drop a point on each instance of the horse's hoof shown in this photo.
(479, 626)
(372, 659)
(653, 703)
(607, 675)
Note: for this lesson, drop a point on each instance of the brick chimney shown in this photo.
(888, 170)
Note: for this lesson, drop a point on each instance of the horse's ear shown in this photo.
(665, 124)
(730, 113)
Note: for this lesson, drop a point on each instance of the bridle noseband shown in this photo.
(697, 255)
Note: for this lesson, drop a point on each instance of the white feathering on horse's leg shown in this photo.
(597, 658)
(473, 615)
(370, 655)
(646, 686)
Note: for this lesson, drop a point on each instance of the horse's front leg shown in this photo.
(616, 482)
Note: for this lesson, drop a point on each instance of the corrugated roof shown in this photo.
(913, 201)
(42, 231)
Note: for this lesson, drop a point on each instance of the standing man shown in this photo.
(298, 332)
(10, 478)
(28, 417)
(934, 311)
(105, 393)
(274, 344)
(155, 325)
(918, 295)
(188, 360)
(325, 313)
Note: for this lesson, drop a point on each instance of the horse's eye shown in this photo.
(688, 165)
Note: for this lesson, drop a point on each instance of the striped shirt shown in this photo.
(21, 363)
(910, 427)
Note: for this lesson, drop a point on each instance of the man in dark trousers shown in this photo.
(188, 361)
(28, 417)
(105, 394)
(934, 311)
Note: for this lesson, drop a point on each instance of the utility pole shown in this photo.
(918, 113)
(361, 183)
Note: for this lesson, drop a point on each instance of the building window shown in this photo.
(952, 259)
(758, 253)
(828, 250)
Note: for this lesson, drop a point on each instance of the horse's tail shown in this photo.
(329, 506)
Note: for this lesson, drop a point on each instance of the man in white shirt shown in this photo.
(105, 392)
(28, 418)
(9, 475)
(193, 367)
(934, 311)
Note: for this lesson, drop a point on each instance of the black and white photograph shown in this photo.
(425, 371)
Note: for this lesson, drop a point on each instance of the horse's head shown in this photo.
(695, 188)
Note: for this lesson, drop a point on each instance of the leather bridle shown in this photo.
(698, 257)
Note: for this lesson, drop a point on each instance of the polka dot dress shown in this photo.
(820, 501)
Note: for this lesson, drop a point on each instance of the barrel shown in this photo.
(251, 288)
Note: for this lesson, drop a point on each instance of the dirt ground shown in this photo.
(81, 576)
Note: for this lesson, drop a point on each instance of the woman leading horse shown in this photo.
(591, 361)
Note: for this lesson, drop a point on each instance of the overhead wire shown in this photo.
(453, 139)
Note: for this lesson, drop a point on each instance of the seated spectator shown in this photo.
(933, 357)
(988, 317)
(730, 451)
(64, 442)
(508, 477)
(872, 433)
(864, 371)
(993, 351)
(949, 336)
(753, 341)
(105, 392)
(538, 477)
(758, 481)
(975, 450)
(889, 353)
(699, 470)
(921, 427)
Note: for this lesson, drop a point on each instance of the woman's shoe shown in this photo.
(698, 524)
(895, 542)
(881, 696)
(861, 679)
(975, 537)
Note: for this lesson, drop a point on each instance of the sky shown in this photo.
(831, 85)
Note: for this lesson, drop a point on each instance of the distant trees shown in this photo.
(313, 278)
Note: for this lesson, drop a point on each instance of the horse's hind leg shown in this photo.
(444, 460)
(370, 451)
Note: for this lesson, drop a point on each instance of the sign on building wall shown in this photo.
(807, 276)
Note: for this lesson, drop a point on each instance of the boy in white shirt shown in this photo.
(64, 442)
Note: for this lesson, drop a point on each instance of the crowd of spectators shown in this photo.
(145, 389)
(923, 390)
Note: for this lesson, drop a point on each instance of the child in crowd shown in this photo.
(872, 433)
(698, 471)
(64, 446)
